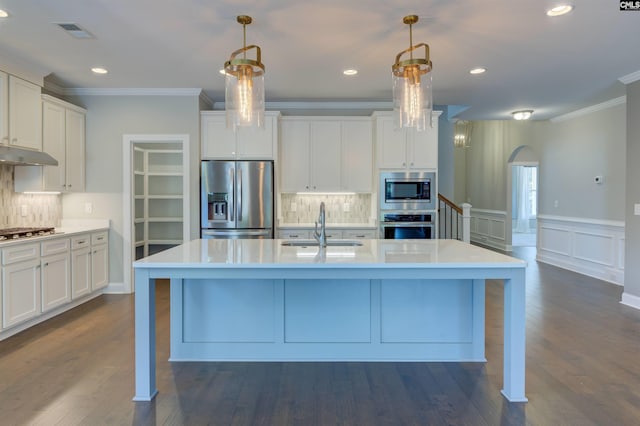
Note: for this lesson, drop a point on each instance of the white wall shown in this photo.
(108, 119)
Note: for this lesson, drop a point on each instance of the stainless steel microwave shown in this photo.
(407, 191)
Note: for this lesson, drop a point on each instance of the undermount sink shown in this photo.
(314, 243)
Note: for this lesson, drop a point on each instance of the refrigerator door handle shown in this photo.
(232, 175)
(240, 196)
(234, 232)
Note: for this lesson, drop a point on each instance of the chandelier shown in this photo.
(412, 97)
(244, 84)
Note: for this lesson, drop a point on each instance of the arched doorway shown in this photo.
(522, 196)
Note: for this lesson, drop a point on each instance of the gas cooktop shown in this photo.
(15, 233)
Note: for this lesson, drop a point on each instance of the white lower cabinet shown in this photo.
(346, 233)
(80, 266)
(20, 284)
(40, 277)
(99, 261)
(56, 274)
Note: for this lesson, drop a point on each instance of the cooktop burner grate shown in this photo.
(15, 233)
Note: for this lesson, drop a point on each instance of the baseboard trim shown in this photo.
(630, 300)
(115, 288)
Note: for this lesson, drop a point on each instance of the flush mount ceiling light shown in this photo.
(560, 10)
(412, 97)
(4, 14)
(478, 70)
(244, 87)
(350, 71)
(522, 115)
(99, 70)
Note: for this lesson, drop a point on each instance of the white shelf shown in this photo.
(159, 199)
(164, 219)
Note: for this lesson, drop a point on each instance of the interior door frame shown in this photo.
(128, 143)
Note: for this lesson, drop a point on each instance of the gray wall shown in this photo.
(483, 166)
(108, 119)
(446, 168)
(573, 152)
(632, 222)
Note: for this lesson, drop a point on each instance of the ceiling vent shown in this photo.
(75, 30)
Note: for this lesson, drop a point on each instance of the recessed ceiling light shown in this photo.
(560, 10)
(478, 70)
(99, 70)
(4, 14)
(350, 71)
(522, 115)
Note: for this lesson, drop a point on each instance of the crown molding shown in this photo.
(630, 78)
(296, 105)
(54, 88)
(591, 109)
(132, 92)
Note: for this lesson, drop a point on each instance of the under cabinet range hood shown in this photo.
(12, 155)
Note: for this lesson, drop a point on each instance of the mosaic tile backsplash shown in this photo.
(339, 208)
(41, 210)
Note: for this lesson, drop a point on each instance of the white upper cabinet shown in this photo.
(4, 107)
(246, 143)
(63, 135)
(25, 114)
(406, 148)
(325, 154)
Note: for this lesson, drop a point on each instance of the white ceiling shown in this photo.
(550, 65)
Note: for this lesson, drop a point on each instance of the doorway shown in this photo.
(155, 196)
(524, 204)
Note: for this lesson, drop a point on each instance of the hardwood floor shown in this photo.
(583, 368)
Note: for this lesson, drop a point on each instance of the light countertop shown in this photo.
(255, 253)
(68, 228)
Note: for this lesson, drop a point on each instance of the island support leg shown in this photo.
(145, 336)
(514, 338)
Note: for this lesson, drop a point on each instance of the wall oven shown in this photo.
(407, 225)
(407, 190)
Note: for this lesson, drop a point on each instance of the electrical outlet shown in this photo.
(346, 207)
(23, 210)
(88, 208)
(555, 203)
(636, 209)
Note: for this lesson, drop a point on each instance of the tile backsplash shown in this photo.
(339, 208)
(39, 209)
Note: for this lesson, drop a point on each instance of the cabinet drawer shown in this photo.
(294, 234)
(360, 234)
(99, 238)
(20, 253)
(80, 241)
(59, 245)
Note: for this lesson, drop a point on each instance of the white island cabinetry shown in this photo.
(381, 300)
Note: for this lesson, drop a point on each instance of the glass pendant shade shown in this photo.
(244, 85)
(412, 85)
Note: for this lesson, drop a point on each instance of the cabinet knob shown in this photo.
(307, 187)
(46, 264)
(411, 164)
(404, 164)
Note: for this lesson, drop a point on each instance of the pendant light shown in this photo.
(412, 97)
(244, 84)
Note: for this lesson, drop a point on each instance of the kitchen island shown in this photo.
(383, 300)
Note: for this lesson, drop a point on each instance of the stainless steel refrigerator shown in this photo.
(236, 199)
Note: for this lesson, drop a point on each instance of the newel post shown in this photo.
(466, 222)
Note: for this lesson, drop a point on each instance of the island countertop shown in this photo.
(267, 253)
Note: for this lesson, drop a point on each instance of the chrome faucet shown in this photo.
(321, 236)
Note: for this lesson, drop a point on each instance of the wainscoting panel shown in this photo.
(587, 246)
(488, 228)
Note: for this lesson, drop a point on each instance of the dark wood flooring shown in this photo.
(583, 368)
